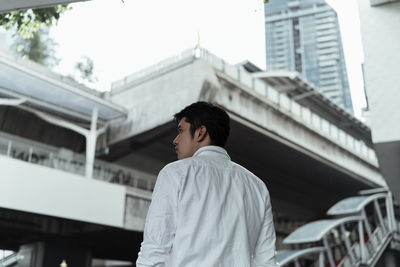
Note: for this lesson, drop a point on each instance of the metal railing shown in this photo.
(357, 243)
(10, 261)
(68, 161)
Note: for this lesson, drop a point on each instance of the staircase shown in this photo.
(359, 229)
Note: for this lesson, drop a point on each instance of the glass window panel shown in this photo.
(316, 121)
(246, 79)
(325, 126)
(231, 71)
(296, 109)
(218, 63)
(259, 86)
(306, 115)
(284, 102)
(342, 137)
(334, 132)
(364, 150)
(357, 146)
(273, 95)
(350, 142)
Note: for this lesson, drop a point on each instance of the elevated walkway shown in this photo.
(267, 125)
(65, 160)
(360, 229)
(37, 174)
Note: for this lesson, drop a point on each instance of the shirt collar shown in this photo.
(212, 149)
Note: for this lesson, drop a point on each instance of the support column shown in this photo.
(348, 245)
(91, 138)
(321, 259)
(369, 232)
(90, 135)
(390, 213)
(328, 252)
(362, 241)
(380, 218)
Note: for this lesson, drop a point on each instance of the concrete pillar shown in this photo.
(91, 138)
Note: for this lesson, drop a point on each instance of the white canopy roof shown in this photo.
(52, 93)
(315, 231)
(353, 204)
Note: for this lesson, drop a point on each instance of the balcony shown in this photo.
(67, 161)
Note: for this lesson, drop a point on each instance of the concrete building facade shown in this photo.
(304, 36)
(380, 24)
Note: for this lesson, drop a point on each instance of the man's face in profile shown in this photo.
(185, 145)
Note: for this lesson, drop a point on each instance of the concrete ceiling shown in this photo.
(11, 5)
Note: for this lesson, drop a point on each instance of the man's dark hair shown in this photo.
(215, 119)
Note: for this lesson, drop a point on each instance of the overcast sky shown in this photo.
(123, 37)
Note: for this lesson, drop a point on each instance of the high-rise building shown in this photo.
(304, 36)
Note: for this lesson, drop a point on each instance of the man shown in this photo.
(206, 210)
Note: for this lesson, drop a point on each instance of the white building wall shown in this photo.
(380, 31)
(36, 189)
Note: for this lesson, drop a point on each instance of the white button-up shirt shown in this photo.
(208, 211)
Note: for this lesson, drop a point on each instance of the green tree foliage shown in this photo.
(40, 48)
(27, 22)
(86, 70)
(31, 32)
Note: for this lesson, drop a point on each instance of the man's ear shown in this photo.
(201, 134)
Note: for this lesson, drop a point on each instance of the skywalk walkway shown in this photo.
(357, 233)
(65, 160)
(117, 196)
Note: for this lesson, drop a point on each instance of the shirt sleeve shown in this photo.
(160, 226)
(264, 252)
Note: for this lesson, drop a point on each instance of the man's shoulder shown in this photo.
(254, 178)
(178, 165)
(183, 165)
(242, 169)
